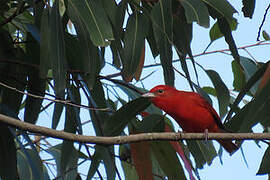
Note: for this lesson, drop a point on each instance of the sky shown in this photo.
(233, 167)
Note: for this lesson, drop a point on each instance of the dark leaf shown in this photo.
(222, 91)
(162, 25)
(136, 31)
(91, 60)
(57, 49)
(222, 7)
(119, 120)
(215, 32)
(8, 155)
(95, 19)
(239, 79)
(248, 8)
(225, 29)
(168, 160)
(45, 60)
(265, 164)
(36, 86)
(128, 168)
(196, 11)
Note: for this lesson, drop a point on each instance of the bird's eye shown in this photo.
(160, 91)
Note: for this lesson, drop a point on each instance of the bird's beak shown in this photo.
(149, 95)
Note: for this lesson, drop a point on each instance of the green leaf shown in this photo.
(119, 120)
(45, 61)
(248, 8)
(69, 155)
(249, 69)
(203, 152)
(196, 11)
(128, 168)
(8, 155)
(24, 170)
(97, 100)
(223, 7)
(91, 62)
(136, 31)
(255, 109)
(222, 91)
(95, 19)
(239, 80)
(105, 154)
(182, 36)
(36, 86)
(162, 25)
(215, 32)
(266, 36)
(168, 160)
(225, 29)
(151, 123)
(57, 111)
(57, 49)
(265, 164)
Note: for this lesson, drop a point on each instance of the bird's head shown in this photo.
(160, 95)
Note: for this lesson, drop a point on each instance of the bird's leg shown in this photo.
(206, 134)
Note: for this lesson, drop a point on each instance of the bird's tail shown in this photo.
(229, 146)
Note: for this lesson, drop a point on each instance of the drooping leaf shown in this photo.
(162, 25)
(91, 62)
(141, 64)
(178, 148)
(222, 91)
(225, 29)
(239, 76)
(168, 160)
(196, 11)
(45, 61)
(105, 154)
(136, 31)
(250, 68)
(57, 49)
(215, 32)
(24, 170)
(265, 164)
(248, 8)
(119, 120)
(36, 86)
(141, 158)
(182, 36)
(203, 152)
(8, 155)
(95, 19)
(69, 155)
(57, 111)
(128, 168)
(265, 78)
(255, 109)
(223, 7)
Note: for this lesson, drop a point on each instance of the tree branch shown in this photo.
(128, 139)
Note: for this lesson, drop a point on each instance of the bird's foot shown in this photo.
(206, 134)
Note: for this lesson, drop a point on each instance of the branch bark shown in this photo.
(127, 139)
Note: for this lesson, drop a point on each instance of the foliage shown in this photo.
(57, 49)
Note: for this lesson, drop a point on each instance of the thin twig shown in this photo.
(54, 100)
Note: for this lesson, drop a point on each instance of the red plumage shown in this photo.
(190, 110)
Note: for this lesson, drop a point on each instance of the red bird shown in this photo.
(190, 110)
